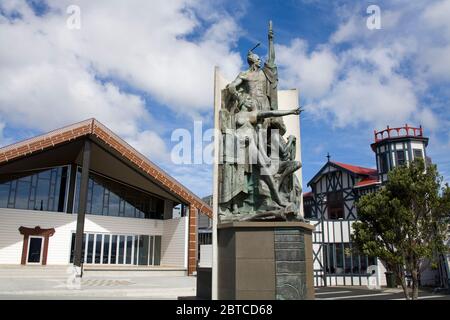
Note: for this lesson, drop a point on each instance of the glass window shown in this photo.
(97, 199)
(143, 250)
(42, 194)
(4, 194)
(136, 248)
(111, 198)
(114, 249)
(40, 190)
(348, 258)
(129, 249)
(90, 249)
(363, 262)
(157, 253)
(22, 194)
(384, 162)
(98, 248)
(335, 205)
(121, 249)
(114, 202)
(308, 211)
(34, 250)
(150, 252)
(129, 210)
(356, 269)
(418, 154)
(105, 248)
(339, 258)
(400, 157)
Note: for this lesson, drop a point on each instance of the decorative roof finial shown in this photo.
(328, 156)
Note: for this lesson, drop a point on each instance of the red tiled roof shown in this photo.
(93, 127)
(307, 194)
(356, 169)
(367, 182)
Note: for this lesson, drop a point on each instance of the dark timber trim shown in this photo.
(72, 183)
(82, 203)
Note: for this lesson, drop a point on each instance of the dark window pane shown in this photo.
(356, 263)
(143, 250)
(151, 259)
(339, 258)
(90, 249)
(384, 163)
(114, 202)
(4, 194)
(98, 248)
(348, 258)
(121, 249)
(330, 258)
(114, 249)
(308, 211)
(157, 254)
(400, 157)
(34, 250)
(136, 248)
(97, 199)
(129, 249)
(363, 261)
(418, 154)
(105, 248)
(22, 194)
(62, 189)
(335, 205)
(129, 210)
(42, 194)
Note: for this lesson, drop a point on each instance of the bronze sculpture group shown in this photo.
(257, 164)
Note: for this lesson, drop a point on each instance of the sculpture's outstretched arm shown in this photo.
(277, 113)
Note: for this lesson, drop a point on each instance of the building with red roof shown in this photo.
(330, 206)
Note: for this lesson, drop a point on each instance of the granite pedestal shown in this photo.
(265, 261)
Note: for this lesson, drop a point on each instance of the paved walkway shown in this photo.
(54, 283)
(362, 293)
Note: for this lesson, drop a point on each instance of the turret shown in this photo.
(398, 146)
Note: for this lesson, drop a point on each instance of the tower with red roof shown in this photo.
(398, 146)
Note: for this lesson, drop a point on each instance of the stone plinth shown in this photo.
(265, 261)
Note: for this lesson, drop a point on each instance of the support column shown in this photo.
(192, 238)
(82, 203)
(71, 193)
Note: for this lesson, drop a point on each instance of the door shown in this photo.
(35, 250)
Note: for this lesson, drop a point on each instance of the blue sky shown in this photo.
(145, 68)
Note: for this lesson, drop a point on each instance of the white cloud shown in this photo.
(362, 98)
(313, 72)
(375, 77)
(52, 76)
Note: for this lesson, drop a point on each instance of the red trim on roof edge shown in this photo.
(356, 169)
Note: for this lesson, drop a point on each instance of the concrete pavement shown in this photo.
(54, 283)
(362, 293)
